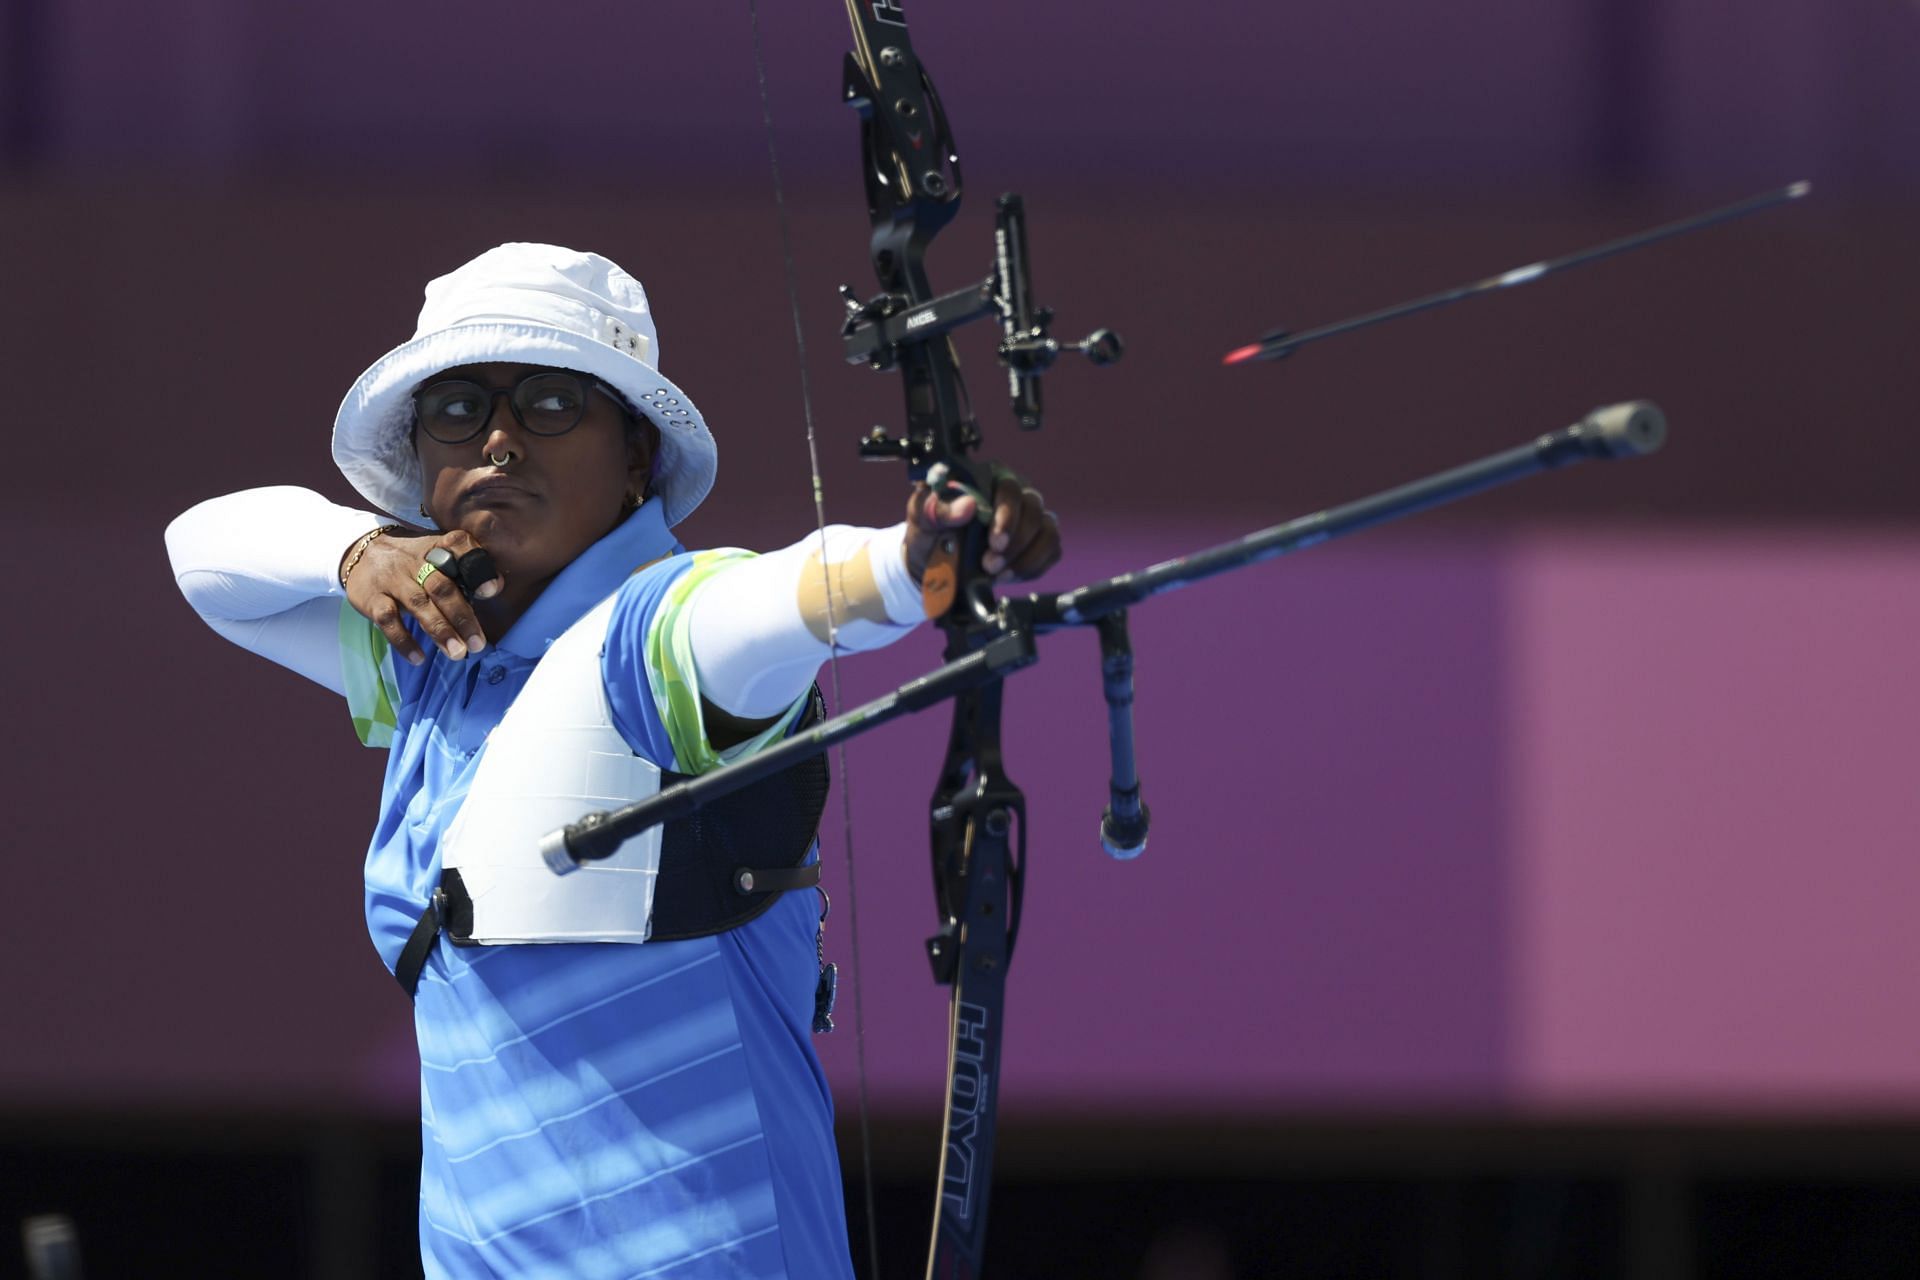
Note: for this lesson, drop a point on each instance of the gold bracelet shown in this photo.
(360, 548)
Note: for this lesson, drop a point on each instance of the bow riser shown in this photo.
(913, 189)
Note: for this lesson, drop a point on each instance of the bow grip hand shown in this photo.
(1022, 536)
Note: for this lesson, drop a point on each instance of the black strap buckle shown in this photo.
(413, 956)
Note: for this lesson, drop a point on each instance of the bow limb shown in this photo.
(976, 813)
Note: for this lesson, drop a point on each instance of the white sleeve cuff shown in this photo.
(260, 552)
(260, 567)
(759, 629)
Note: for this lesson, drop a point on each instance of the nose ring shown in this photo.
(501, 459)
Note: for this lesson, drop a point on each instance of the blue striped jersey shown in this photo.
(597, 1110)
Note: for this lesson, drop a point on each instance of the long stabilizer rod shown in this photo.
(1627, 430)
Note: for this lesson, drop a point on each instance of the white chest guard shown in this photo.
(554, 757)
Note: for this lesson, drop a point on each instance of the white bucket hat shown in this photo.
(533, 304)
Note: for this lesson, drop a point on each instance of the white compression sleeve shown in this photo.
(759, 629)
(262, 567)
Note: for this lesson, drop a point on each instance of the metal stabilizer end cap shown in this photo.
(553, 850)
(1123, 841)
(1101, 347)
(1627, 430)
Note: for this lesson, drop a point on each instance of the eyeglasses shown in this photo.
(548, 403)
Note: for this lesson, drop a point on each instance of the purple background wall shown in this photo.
(1595, 793)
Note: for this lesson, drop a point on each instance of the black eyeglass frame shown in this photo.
(586, 383)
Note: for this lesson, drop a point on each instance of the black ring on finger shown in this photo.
(446, 562)
(474, 570)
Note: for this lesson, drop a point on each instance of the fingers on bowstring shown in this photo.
(474, 570)
(444, 612)
(482, 577)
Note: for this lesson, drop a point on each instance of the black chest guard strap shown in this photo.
(720, 866)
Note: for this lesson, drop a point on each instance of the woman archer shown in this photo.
(617, 1076)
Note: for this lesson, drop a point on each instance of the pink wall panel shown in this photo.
(1715, 742)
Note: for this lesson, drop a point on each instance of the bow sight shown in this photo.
(913, 184)
(876, 331)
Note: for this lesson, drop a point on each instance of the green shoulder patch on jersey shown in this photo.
(366, 668)
(676, 684)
